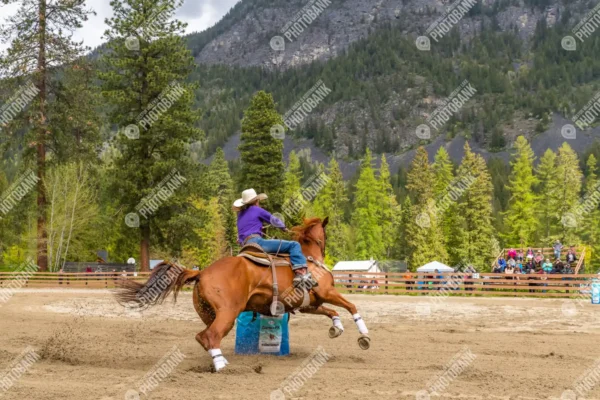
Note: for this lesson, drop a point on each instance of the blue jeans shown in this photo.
(283, 246)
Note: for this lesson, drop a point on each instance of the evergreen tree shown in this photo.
(331, 202)
(569, 190)
(443, 175)
(367, 212)
(135, 82)
(210, 242)
(590, 224)
(40, 35)
(521, 222)
(425, 237)
(293, 189)
(75, 118)
(476, 208)
(221, 187)
(261, 154)
(442, 170)
(548, 213)
(403, 251)
(390, 209)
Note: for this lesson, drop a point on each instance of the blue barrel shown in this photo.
(595, 292)
(264, 335)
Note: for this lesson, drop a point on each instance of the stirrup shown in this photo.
(305, 281)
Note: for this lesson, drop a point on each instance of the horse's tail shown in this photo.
(166, 278)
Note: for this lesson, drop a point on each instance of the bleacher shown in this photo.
(548, 252)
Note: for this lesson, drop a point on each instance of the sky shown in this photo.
(199, 14)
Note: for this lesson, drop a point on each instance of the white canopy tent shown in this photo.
(432, 266)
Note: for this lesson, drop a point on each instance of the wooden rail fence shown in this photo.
(537, 285)
(93, 280)
(517, 285)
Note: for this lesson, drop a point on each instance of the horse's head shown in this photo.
(312, 233)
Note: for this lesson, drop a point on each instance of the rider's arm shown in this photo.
(267, 217)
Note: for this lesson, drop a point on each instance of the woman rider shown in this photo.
(250, 220)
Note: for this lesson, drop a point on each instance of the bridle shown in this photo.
(321, 246)
(321, 243)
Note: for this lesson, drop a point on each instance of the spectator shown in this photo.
(512, 253)
(509, 270)
(520, 255)
(567, 269)
(470, 270)
(543, 278)
(502, 264)
(529, 254)
(547, 266)
(529, 266)
(532, 278)
(538, 259)
(497, 269)
(407, 276)
(512, 263)
(519, 268)
(571, 257)
(438, 279)
(559, 266)
(557, 249)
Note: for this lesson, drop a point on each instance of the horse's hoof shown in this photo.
(334, 332)
(364, 342)
(219, 363)
(219, 368)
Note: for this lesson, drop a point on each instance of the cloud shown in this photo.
(199, 16)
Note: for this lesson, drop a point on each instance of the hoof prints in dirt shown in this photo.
(229, 370)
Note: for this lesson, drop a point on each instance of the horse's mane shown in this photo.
(302, 232)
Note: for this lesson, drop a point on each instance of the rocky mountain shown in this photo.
(244, 35)
(383, 85)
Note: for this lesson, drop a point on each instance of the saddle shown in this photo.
(255, 253)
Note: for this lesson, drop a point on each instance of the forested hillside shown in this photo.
(383, 87)
(126, 145)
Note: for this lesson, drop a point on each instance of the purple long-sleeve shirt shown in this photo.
(250, 222)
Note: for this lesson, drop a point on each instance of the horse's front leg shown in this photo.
(332, 296)
(337, 329)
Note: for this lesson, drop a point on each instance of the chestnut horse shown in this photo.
(235, 284)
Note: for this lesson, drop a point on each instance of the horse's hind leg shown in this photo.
(332, 296)
(211, 337)
(337, 329)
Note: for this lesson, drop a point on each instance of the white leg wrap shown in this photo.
(218, 360)
(337, 322)
(362, 327)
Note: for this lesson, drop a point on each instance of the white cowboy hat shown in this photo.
(248, 196)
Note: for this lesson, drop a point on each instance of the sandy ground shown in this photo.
(91, 348)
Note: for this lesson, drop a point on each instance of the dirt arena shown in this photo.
(90, 348)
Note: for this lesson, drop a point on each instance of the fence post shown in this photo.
(386, 283)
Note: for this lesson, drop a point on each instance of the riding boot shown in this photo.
(305, 281)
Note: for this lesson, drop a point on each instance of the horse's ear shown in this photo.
(325, 222)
